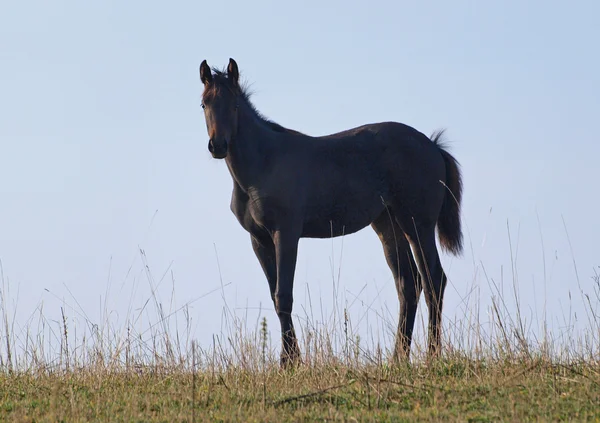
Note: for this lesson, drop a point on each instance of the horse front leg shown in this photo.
(286, 251)
(265, 252)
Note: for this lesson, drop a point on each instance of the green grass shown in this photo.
(446, 390)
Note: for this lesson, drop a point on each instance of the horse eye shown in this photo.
(203, 106)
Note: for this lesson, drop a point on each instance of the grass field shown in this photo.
(492, 372)
(449, 390)
(246, 384)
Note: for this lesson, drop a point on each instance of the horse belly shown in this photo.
(341, 220)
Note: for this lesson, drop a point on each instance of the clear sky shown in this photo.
(103, 149)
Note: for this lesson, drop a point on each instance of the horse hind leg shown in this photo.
(433, 277)
(406, 277)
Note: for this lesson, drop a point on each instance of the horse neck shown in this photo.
(253, 147)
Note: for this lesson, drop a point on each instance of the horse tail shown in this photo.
(449, 223)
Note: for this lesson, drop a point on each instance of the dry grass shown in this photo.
(495, 371)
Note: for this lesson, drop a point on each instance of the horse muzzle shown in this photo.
(218, 150)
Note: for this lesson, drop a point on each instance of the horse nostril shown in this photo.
(211, 148)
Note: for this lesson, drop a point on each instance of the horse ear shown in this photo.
(205, 73)
(232, 72)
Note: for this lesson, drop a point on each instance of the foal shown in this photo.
(287, 185)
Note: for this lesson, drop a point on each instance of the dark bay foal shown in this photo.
(287, 185)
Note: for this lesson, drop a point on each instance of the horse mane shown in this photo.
(220, 80)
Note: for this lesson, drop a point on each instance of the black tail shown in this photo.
(449, 224)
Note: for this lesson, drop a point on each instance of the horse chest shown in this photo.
(267, 212)
(257, 214)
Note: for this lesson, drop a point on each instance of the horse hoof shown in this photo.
(287, 362)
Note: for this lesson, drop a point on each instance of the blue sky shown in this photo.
(103, 147)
